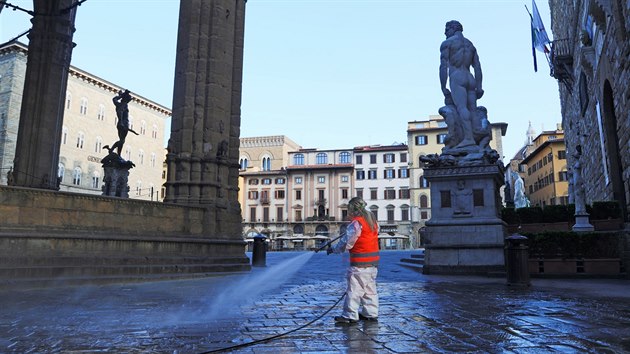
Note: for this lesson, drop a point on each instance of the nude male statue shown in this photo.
(457, 55)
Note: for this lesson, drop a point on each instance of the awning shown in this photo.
(321, 237)
(394, 236)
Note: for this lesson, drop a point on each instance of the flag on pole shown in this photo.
(541, 39)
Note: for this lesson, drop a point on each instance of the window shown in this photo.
(266, 214)
(424, 201)
(360, 193)
(130, 122)
(345, 178)
(279, 194)
(266, 181)
(64, 135)
(68, 100)
(403, 157)
(360, 175)
(372, 174)
(298, 159)
(424, 183)
(253, 181)
(298, 217)
(424, 215)
(98, 146)
(76, 176)
(321, 158)
(403, 193)
(280, 180)
(95, 180)
(266, 163)
(373, 194)
(243, 163)
(422, 140)
(298, 195)
(154, 132)
(389, 194)
(141, 156)
(128, 152)
(403, 172)
(389, 173)
(441, 138)
(298, 180)
(252, 214)
(373, 158)
(279, 214)
(390, 214)
(389, 158)
(139, 188)
(344, 157)
(101, 112)
(404, 214)
(321, 179)
(252, 195)
(562, 176)
(84, 106)
(374, 211)
(562, 155)
(61, 171)
(320, 194)
(359, 159)
(153, 159)
(344, 193)
(80, 140)
(143, 128)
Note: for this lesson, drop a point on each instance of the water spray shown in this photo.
(329, 243)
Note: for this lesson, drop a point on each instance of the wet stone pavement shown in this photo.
(418, 313)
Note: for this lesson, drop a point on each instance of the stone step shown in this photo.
(413, 266)
(412, 260)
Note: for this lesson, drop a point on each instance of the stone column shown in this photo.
(203, 148)
(41, 118)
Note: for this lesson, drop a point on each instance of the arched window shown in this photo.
(424, 201)
(243, 163)
(128, 152)
(344, 157)
(139, 188)
(298, 159)
(84, 106)
(321, 230)
(80, 140)
(143, 127)
(154, 132)
(61, 171)
(68, 100)
(298, 229)
(390, 212)
(321, 158)
(99, 144)
(374, 210)
(101, 112)
(141, 156)
(130, 122)
(266, 163)
(96, 179)
(153, 159)
(76, 176)
(64, 135)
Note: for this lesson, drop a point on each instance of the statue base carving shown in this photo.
(465, 234)
(116, 179)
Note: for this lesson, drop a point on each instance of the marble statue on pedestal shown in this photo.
(520, 200)
(469, 131)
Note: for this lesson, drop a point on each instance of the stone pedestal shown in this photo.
(116, 179)
(465, 234)
(582, 224)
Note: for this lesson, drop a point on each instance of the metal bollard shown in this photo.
(516, 261)
(259, 253)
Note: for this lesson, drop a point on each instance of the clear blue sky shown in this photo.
(329, 73)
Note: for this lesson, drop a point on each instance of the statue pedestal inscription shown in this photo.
(116, 179)
(465, 234)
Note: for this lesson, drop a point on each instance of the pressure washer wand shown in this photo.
(329, 242)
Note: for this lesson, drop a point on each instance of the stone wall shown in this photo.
(595, 104)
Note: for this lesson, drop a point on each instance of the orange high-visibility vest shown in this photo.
(365, 251)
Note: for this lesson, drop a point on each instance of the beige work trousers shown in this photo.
(361, 293)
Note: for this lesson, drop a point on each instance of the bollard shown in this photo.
(517, 261)
(259, 253)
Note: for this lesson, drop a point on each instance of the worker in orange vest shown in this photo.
(361, 239)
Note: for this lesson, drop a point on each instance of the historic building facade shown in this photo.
(546, 176)
(382, 180)
(427, 137)
(589, 57)
(89, 123)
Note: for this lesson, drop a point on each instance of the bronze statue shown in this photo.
(121, 102)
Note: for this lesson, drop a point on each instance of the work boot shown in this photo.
(366, 318)
(344, 320)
